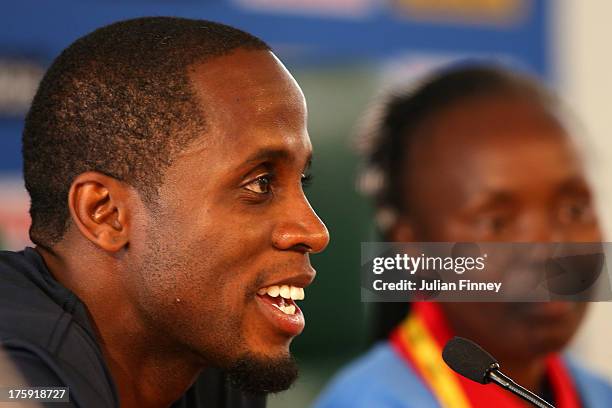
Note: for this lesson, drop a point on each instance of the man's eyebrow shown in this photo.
(268, 154)
(273, 154)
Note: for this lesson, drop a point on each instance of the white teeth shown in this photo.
(273, 291)
(289, 309)
(296, 293)
(285, 291)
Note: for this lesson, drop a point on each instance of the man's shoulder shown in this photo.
(36, 311)
(378, 378)
(594, 390)
(39, 332)
(28, 310)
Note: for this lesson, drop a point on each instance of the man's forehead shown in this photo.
(293, 150)
(242, 76)
(246, 95)
(250, 104)
(234, 157)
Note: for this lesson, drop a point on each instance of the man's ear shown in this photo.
(99, 208)
(402, 230)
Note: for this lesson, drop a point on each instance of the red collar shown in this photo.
(478, 395)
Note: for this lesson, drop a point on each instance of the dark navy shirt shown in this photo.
(46, 332)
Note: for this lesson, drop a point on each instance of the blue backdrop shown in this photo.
(34, 32)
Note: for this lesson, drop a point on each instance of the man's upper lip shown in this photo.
(300, 280)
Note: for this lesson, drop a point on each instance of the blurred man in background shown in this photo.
(164, 158)
(474, 154)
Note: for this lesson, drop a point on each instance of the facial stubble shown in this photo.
(224, 347)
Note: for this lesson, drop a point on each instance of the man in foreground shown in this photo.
(475, 154)
(165, 159)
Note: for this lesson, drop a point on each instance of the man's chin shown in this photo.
(255, 374)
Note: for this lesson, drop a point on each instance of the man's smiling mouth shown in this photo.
(283, 297)
(277, 303)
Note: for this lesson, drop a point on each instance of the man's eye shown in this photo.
(261, 185)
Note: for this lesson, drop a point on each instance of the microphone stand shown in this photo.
(499, 378)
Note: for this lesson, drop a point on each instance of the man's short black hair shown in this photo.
(394, 120)
(117, 101)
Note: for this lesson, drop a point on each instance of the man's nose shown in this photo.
(301, 230)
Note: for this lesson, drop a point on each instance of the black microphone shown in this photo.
(471, 361)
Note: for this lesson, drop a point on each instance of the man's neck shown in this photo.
(147, 371)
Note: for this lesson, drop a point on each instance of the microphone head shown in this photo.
(468, 359)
